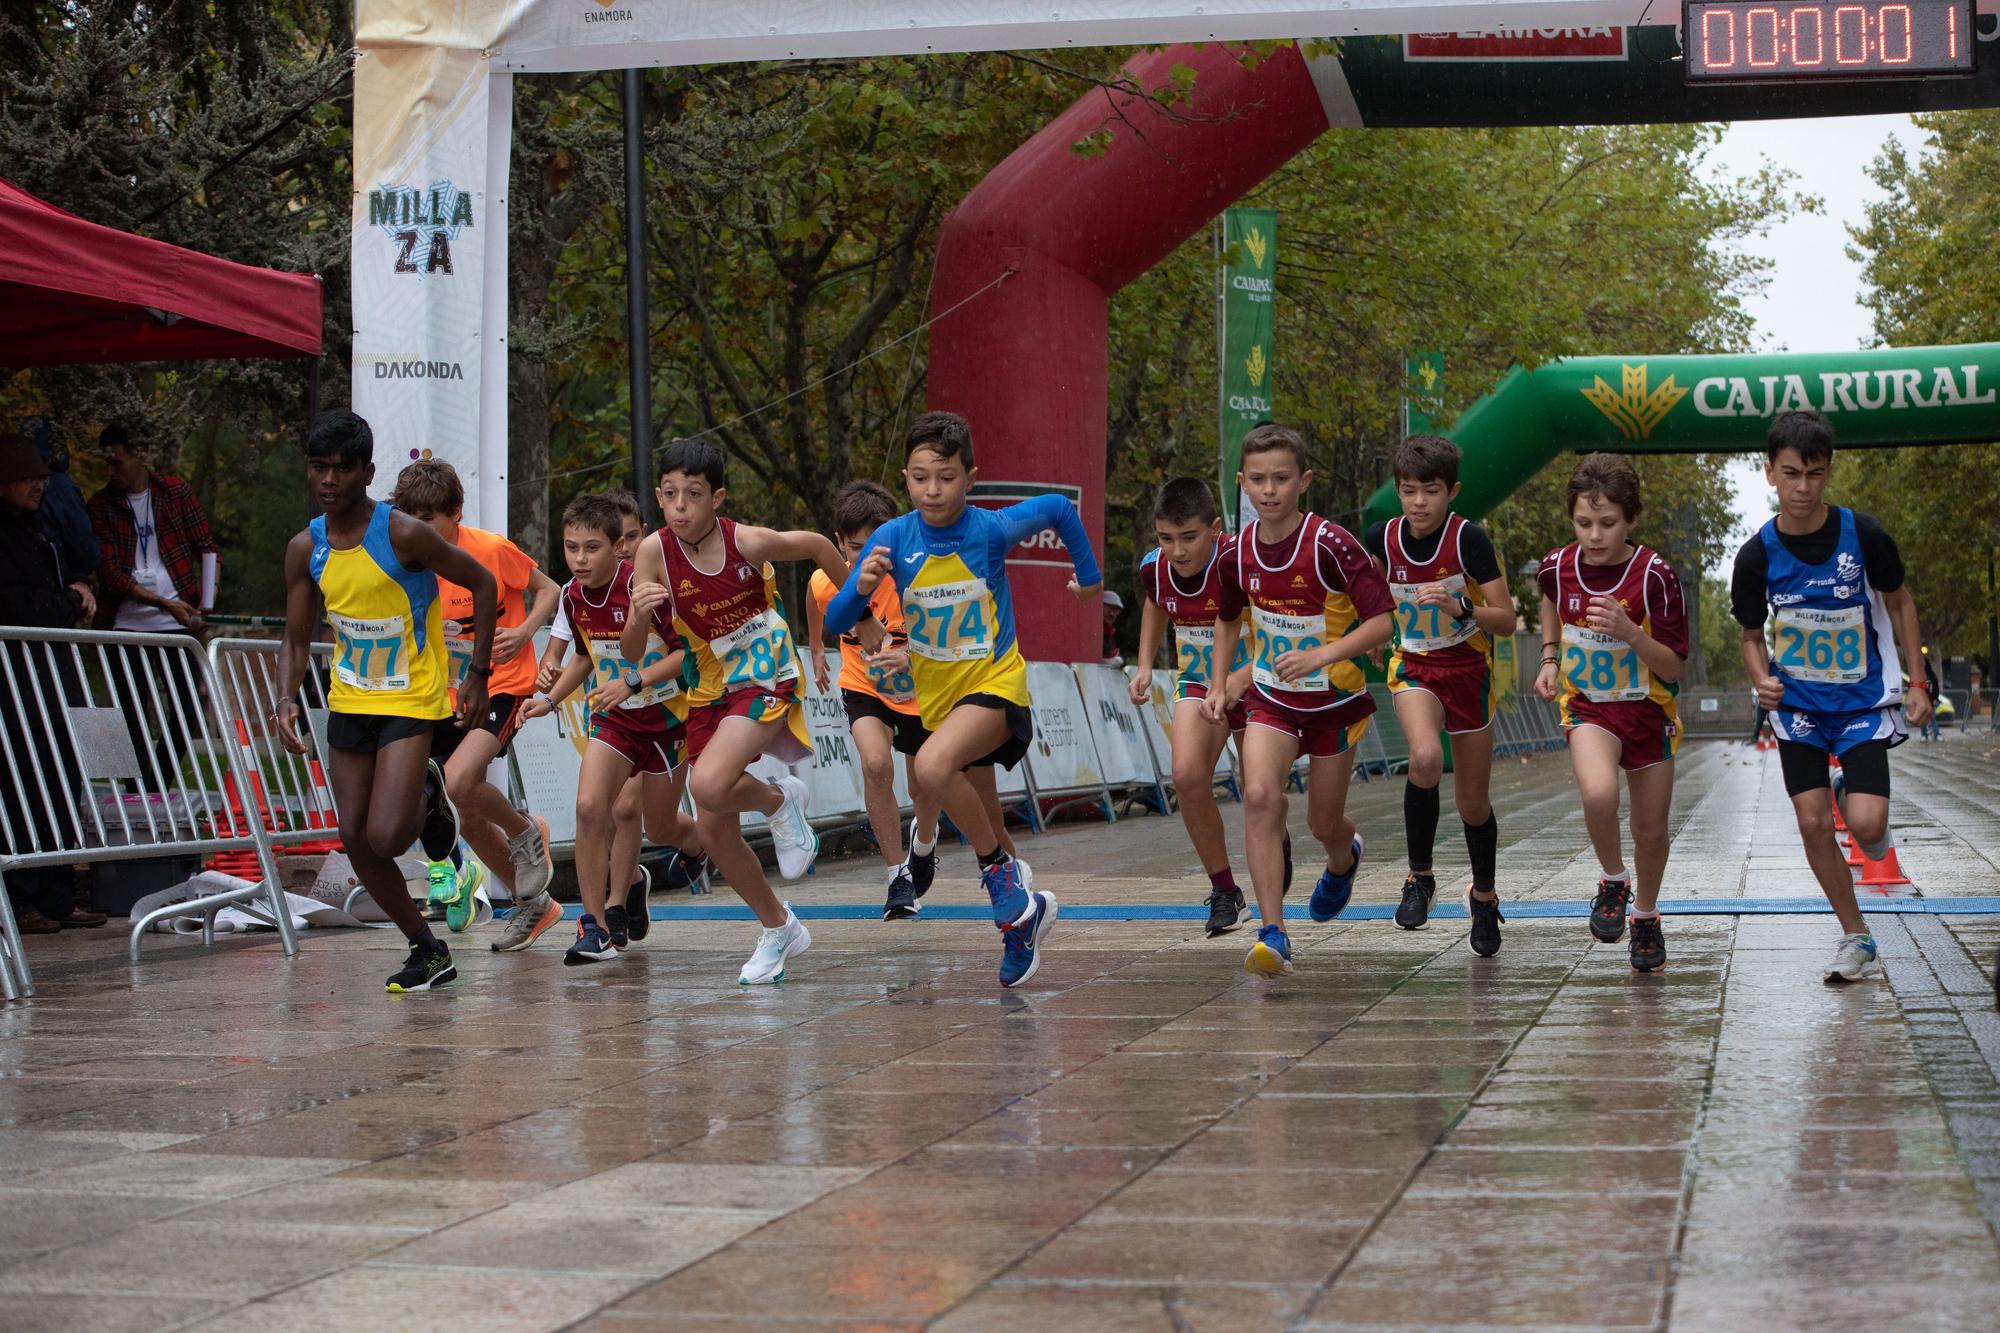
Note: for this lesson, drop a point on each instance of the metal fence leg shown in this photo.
(15, 981)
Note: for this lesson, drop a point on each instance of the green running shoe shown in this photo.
(458, 912)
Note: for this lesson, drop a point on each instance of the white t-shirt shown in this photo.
(148, 572)
(559, 629)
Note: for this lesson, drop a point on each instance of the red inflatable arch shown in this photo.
(1025, 362)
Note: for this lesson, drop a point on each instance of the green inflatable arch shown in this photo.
(1712, 404)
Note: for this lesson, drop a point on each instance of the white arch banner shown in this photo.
(433, 113)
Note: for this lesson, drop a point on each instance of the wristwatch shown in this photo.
(1464, 607)
(475, 669)
(632, 679)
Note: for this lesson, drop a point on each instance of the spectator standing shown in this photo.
(37, 591)
(1114, 606)
(64, 513)
(157, 573)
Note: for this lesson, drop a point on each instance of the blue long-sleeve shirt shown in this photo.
(957, 608)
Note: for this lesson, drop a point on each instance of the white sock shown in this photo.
(922, 846)
(1618, 877)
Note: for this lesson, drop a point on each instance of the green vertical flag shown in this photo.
(1249, 268)
(1423, 393)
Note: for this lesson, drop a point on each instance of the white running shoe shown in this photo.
(792, 836)
(774, 946)
(1854, 960)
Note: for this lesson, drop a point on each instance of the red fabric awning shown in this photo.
(75, 292)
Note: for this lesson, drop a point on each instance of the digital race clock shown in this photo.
(1827, 39)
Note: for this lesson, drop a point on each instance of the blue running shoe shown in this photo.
(1011, 903)
(593, 944)
(1271, 955)
(681, 871)
(1021, 953)
(1330, 895)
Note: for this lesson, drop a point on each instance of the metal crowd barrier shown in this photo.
(123, 747)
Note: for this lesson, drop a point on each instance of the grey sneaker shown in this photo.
(1854, 960)
(533, 868)
(530, 917)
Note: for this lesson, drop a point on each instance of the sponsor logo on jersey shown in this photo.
(1787, 598)
(1845, 591)
(1298, 580)
(1847, 569)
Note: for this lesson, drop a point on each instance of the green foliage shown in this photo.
(1926, 250)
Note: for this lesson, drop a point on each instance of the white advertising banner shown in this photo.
(1063, 757)
(1115, 726)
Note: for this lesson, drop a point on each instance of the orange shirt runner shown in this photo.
(898, 691)
(512, 568)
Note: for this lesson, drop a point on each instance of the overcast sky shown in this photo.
(1810, 305)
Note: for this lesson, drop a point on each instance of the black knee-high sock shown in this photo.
(1420, 822)
(1482, 843)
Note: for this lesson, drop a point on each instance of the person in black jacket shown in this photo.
(36, 591)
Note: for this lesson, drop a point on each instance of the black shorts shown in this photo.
(906, 730)
(1864, 768)
(497, 720)
(1020, 732)
(365, 733)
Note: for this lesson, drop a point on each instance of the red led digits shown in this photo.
(1896, 13)
(1850, 35)
(1801, 18)
(1723, 47)
(1776, 39)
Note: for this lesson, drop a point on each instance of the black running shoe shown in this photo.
(1226, 911)
(440, 831)
(638, 913)
(902, 901)
(1486, 921)
(682, 871)
(618, 925)
(427, 966)
(923, 869)
(1288, 867)
(1649, 945)
(1607, 910)
(1415, 909)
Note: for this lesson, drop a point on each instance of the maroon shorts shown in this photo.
(1465, 690)
(1648, 733)
(1238, 714)
(789, 743)
(649, 749)
(1322, 734)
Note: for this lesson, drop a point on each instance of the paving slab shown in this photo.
(1401, 1135)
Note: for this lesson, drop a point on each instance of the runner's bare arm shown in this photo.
(302, 613)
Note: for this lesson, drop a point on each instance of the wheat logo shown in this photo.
(1428, 373)
(1256, 365)
(1634, 410)
(1257, 246)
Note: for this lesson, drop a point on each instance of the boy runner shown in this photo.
(949, 563)
(1833, 582)
(1181, 583)
(649, 804)
(1614, 642)
(709, 580)
(635, 705)
(879, 697)
(374, 573)
(514, 847)
(1451, 604)
(1316, 603)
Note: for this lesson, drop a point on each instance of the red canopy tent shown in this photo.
(75, 292)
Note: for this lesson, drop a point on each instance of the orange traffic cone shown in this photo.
(1883, 872)
(1854, 856)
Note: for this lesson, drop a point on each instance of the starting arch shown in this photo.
(1043, 241)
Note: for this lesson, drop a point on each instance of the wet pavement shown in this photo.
(1401, 1135)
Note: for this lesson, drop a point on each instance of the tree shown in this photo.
(223, 128)
(1925, 250)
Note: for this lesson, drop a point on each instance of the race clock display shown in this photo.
(1831, 39)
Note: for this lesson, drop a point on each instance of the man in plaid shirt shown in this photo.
(152, 537)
